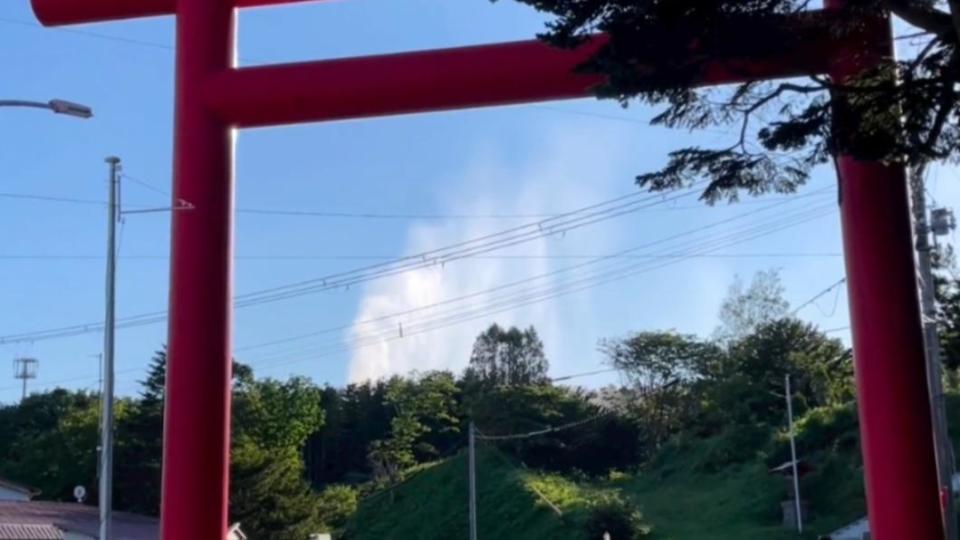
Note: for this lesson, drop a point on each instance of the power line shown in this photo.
(578, 256)
(51, 198)
(436, 216)
(820, 294)
(556, 225)
(585, 374)
(147, 185)
(89, 34)
(507, 306)
(834, 330)
(539, 432)
(764, 229)
(386, 215)
(526, 282)
(511, 302)
(439, 257)
(561, 224)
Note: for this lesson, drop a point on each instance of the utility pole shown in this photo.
(793, 456)
(25, 369)
(106, 393)
(931, 338)
(473, 481)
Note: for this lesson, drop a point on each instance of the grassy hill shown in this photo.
(433, 505)
(684, 494)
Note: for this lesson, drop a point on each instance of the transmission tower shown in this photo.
(25, 369)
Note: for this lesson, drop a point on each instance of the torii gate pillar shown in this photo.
(214, 97)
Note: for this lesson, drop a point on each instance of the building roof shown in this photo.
(13, 486)
(29, 532)
(78, 518)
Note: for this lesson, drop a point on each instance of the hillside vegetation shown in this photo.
(680, 450)
(678, 494)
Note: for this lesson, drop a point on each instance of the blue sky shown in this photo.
(543, 159)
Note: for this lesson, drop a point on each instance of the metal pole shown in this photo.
(59, 106)
(22, 373)
(106, 393)
(196, 442)
(892, 397)
(473, 482)
(793, 456)
(932, 341)
(23, 103)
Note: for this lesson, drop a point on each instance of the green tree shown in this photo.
(272, 421)
(355, 416)
(744, 309)
(509, 410)
(336, 504)
(139, 445)
(661, 368)
(507, 357)
(422, 405)
(49, 442)
(658, 53)
(749, 387)
(268, 493)
(947, 292)
(277, 414)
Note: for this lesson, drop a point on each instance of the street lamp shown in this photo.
(59, 106)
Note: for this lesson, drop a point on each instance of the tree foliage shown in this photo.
(351, 442)
(139, 449)
(660, 52)
(507, 357)
(421, 405)
(49, 442)
(272, 421)
(661, 367)
(744, 309)
(947, 294)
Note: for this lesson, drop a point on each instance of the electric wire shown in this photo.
(527, 281)
(820, 294)
(473, 315)
(509, 303)
(539, 432)
(502, 305)
(484, 244)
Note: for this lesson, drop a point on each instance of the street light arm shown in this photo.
(59, 106)
(24, 103)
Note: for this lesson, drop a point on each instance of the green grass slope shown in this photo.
(433, 505)
(740, 502)
(699, 489)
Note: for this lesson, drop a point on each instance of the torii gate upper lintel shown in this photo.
(214, 97)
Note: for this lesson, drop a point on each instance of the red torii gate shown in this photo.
(214, 97)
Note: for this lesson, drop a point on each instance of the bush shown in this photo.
(832, 430)
(336, 504)
(738, 444)
(613, 514)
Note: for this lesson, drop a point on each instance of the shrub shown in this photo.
(613, 514)
(336, 504)
(737, 444)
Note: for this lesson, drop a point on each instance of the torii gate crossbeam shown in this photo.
(214, 97)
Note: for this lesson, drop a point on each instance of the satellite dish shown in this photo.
(80, 493)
